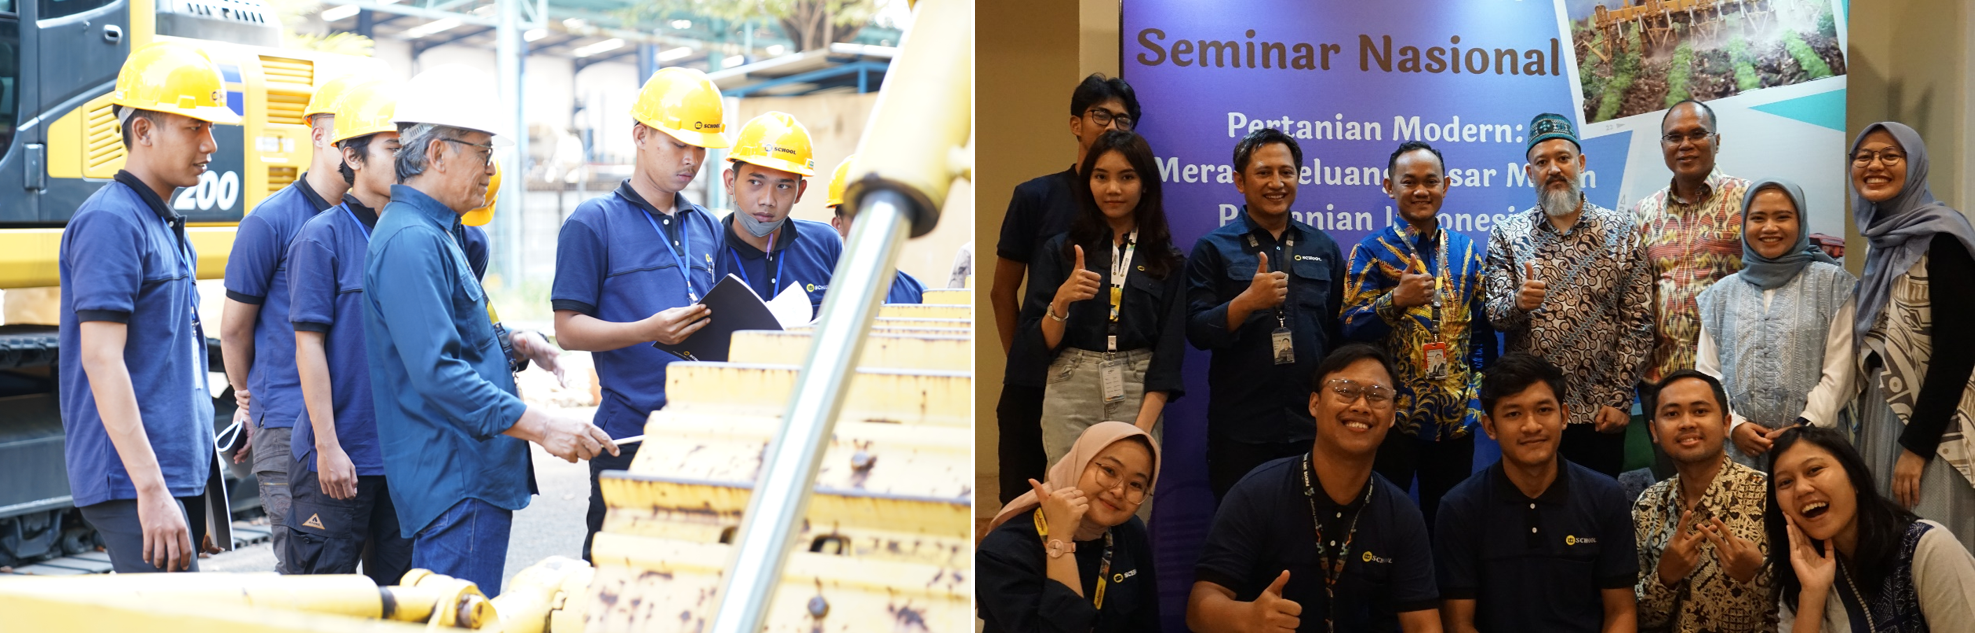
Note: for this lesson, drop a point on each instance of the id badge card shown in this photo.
(1112, 374)
(1285, 350)
(1434, 356)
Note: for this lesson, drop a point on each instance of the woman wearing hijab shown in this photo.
(1778, 334)
(1919, 404)
(1069, 555)
(1848, 559)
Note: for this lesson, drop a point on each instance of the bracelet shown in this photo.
(1051, 311)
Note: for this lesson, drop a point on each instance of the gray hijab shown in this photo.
(1771, 273)
(1900, 229)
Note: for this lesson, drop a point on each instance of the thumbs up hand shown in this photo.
(1080, 286)
(1415, 285)
(1272, 612)
(1267, 289)
(1530, 296)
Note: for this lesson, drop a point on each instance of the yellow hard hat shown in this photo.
(363, 110)
(325, 98)
(777, 141)
(684, 103)
(175, 78)
(838, 181)
(485, 214)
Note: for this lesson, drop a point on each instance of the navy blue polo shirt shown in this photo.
(1535, 564)
(804, 258)
(905, 289)
(438, 378)
(611, 264)
(1252, 399)
(125, 259)
(257, 274)
(1039, 209)
(1265, 525)
(1014, 592)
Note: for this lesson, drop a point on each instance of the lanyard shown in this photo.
(176, 225)
(1103, 567)
(1438, 280)
(774, 283)
(1289, 247)
(1121, 263)
(1333, 564)
(686, 244)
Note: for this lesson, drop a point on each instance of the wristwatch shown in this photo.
(1051, 311)
(1058, 547)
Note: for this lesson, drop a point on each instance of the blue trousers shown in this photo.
(468, 542)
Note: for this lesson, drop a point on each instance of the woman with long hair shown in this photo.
(1107, 301)
(1846, 558)
(1918, 410)
(1069, 555)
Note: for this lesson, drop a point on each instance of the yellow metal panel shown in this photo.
(951, 353)
(102, 143)
(922, 397)
(898, 459)
(948, 297)
(29, 258)
(926, 312)
(118, 613)
(65, 146)
(289, 83)
(213, 243)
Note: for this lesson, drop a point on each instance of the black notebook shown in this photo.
(735, 308)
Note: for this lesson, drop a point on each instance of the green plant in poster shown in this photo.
(1680, 74)
(1805, 56)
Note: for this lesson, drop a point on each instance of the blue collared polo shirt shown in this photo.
(257, 274)
(438, 378)
(805, 256)
(124, 259)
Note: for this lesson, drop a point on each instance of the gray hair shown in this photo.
(414, 139)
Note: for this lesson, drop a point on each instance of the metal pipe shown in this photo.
(781, 498)
(506, 228)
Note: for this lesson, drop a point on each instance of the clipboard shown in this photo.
(219, 510)
(735, 307)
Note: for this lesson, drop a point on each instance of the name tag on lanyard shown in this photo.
(1433, 353)
(1281, 344)
(1111, 372)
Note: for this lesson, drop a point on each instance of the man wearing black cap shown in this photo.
(1568, 281)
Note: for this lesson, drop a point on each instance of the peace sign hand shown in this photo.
(1740, 557)
(1683, 553)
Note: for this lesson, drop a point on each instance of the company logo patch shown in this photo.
(315, 521)
(814, 287)
(1121, 577)
(1574, 540)
(702, 125)
(1372, 558)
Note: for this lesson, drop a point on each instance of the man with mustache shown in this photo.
(1535, 542)
(1370, 567)
(631, 267)
(1713, 501)
(1568, 281)
(1692, 232)
(1263, 295)
(136, 415)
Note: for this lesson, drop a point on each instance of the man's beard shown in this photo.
(1560, 202)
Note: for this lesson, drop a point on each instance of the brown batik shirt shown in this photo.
(1708, 599)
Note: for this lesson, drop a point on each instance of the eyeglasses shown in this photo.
(1103, 117)
(1378, 396)
(1109, 479)
(1888, 158)
(1696, 136)
(486, 159)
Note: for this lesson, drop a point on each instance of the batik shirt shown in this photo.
(1596, 323)
(1708, 599)
(1431, 407)
(1690, 245)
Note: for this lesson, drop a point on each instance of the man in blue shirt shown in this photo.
(449, 424)
(1038, 210)
(632, 266)
(1370, 565)
(1535, 542)
(136, 414)
(904, 288)
(763, 246)
(255, 337)
(1263, 295)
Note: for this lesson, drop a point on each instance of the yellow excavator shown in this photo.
(59, 144)
(821, 479)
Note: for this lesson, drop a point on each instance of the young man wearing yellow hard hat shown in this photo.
(904, 288)
(632, 266)
(136, 412)
(254, 333)
(763, 246)
(342, 507)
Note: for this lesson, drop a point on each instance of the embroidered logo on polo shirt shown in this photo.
(814, 287)
(1574, 540)
(1122, 576)
(1372, 558)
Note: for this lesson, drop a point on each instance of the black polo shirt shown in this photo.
(1264, 526)
(1152, 315)
(1014, 592)
(1535, 564)
(1252, 399)
(1040, 209)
